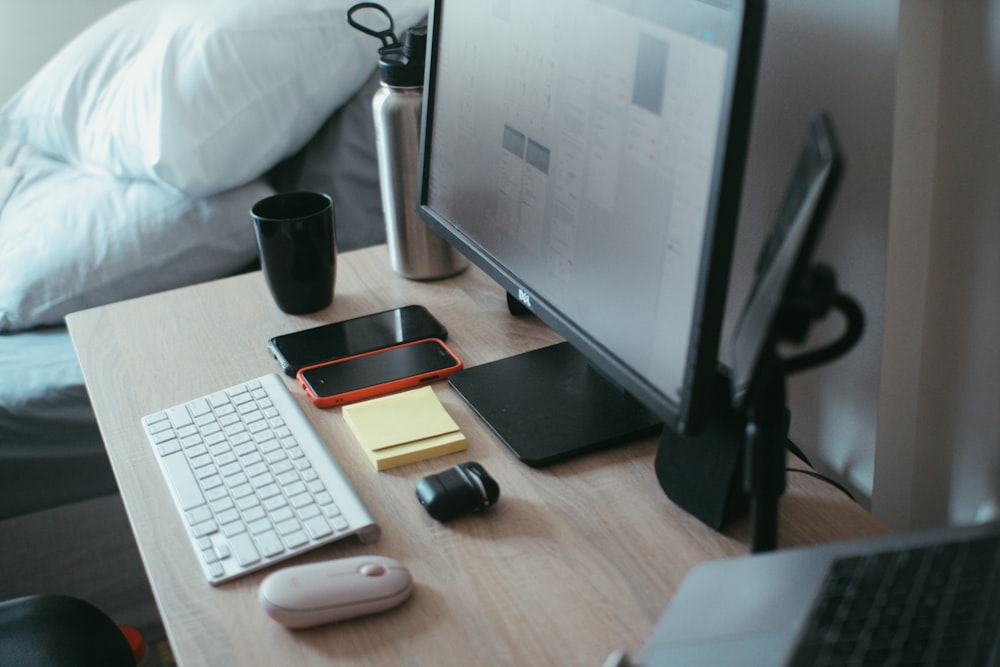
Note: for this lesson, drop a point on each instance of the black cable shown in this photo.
(797, 452)
(829, 480)
(801, 455)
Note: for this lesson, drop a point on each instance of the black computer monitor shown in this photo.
(588, 155)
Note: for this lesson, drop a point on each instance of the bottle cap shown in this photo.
(404, 65)
(415, 43)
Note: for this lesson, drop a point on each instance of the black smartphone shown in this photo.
(378, 372)
(327, 342)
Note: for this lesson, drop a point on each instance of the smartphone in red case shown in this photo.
(378, 372)
(347, 338)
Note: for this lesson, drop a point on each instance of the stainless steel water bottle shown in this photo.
(415, 251)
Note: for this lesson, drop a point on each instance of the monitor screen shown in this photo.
(588, 154)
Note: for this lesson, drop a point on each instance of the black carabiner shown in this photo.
(387, 36)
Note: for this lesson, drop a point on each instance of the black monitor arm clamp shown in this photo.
(767, 416)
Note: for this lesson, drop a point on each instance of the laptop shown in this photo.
(927, 598)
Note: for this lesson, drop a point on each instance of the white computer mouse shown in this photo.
(302, 596)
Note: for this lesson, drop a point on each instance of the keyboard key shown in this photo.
(317, 527)
(204, 528)
(296, 539)
(182, 481)
(270, 544)
(179, 417)
(244, 550)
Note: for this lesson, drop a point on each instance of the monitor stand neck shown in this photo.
(703, 474)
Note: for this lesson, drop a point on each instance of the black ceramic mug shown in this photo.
(297, 240)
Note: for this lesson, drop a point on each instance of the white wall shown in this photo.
(31, 31)
(939, 435)
(839, 57)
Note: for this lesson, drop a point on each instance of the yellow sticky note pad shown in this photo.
(404, 428)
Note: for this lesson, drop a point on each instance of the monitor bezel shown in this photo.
(690, 414)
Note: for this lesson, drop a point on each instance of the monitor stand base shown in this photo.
(703, 474)
(549, 404)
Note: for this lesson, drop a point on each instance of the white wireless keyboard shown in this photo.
(253, 482)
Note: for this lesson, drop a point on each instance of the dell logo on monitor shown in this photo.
(524, 297)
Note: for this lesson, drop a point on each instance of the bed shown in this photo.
(128, 165)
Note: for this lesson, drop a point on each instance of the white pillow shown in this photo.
(202, 95)
(71, 240)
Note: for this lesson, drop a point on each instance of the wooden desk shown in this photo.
(574, 561)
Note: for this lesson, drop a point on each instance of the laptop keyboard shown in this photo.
(933, 605)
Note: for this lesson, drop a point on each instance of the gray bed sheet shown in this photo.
(51, 451)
